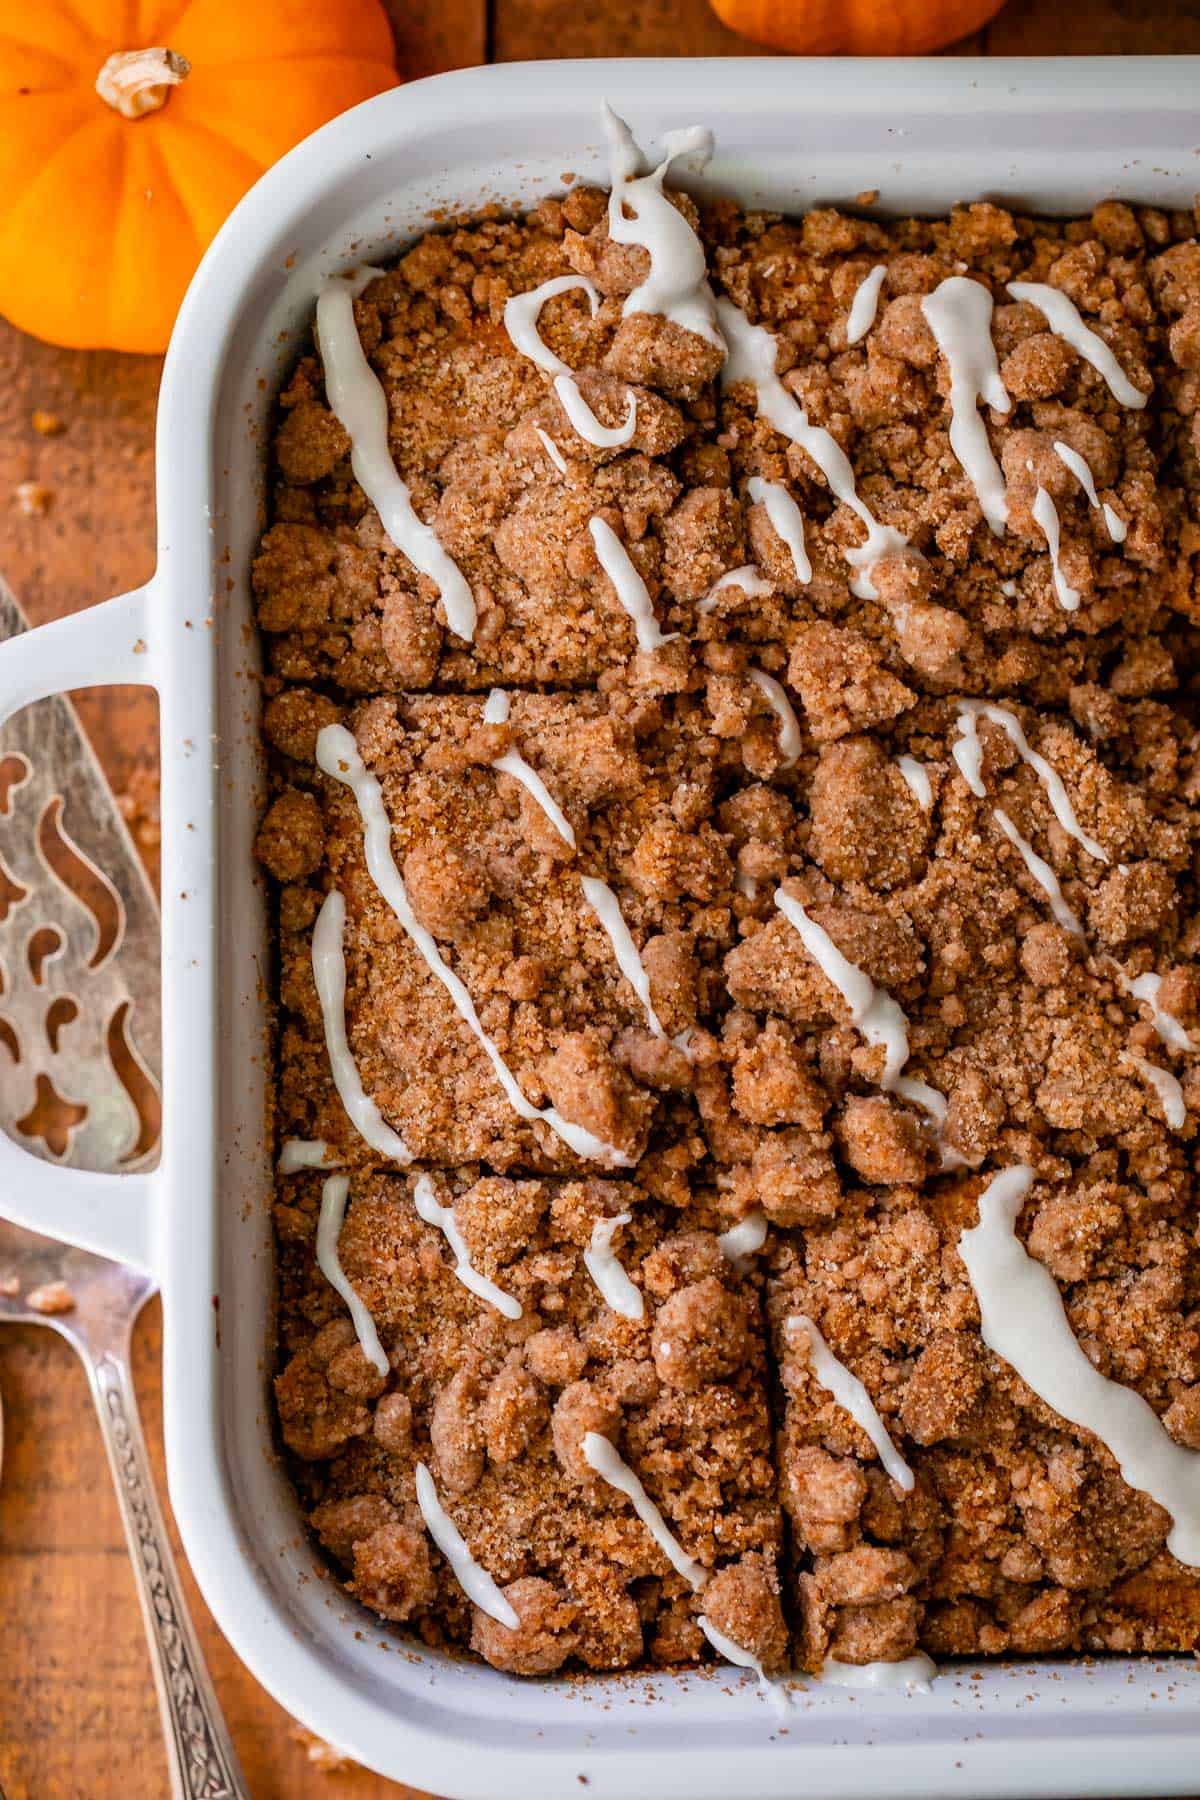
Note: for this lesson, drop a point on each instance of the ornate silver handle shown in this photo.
(200, 1756)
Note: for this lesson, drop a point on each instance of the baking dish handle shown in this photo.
(102, 646)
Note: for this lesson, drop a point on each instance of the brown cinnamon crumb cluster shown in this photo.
(498, 1410)
(799, 741)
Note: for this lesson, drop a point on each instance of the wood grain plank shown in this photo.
(1099, 28)
(453, 34)
(75, 1670)
(96, 534)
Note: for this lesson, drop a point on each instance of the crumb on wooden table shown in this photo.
(320, 1754)
(32, 498)
(52, 1298)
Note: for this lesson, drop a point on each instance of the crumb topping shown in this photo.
(809, 816)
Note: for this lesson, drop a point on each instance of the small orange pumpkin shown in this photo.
(856, 27)
(129, 128)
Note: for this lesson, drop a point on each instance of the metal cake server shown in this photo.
(79, 1062)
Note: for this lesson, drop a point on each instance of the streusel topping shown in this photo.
(731, 716)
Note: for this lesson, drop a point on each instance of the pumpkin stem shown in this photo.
(135, 82)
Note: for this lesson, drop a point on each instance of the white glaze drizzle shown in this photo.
(959, 313)
(495, 712)
(607, 908)
(865, 304)
(1146, 989)
(968, 754)
(677, 285)
(744, 1239)
(910, 1675)
(329, 1229)
(1118, 531)
(849, 1392)
(329, 973)
(337, 755)
(442, 1218)
(359, 404)
(879, 1017)
(521, 318)
(630, 589)
(600, 1261)
(1023, 1320)
(917, 776)
(474, 1581)
(1042, 873)
(584, 421)
(744, 1659)
(753, 584)
(1062, 316)
(1077, 464)
(791, 740)
(1166, 1086)
(970, 763)
(786, 519)
(752, 358)
(305, 1153)
(611, 1467)
(1045, 517)
(552, 450)
(930, 1100)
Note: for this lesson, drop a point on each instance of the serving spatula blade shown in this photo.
(80, 1017)
(80, 1061)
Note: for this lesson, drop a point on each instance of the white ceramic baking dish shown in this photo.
(1051, 136)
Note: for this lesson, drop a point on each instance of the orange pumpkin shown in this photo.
(129, 128)
(856, 27)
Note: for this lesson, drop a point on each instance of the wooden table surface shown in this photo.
(77, 1710)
